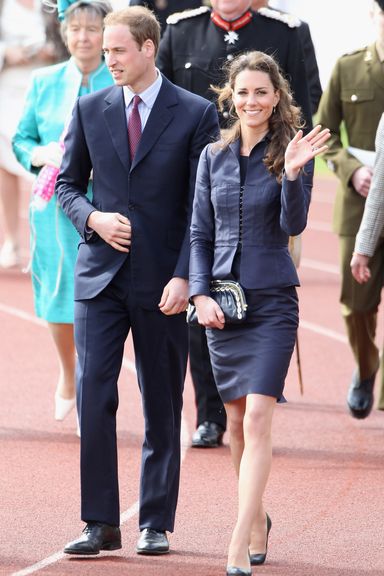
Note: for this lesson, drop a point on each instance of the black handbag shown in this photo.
(230, 296)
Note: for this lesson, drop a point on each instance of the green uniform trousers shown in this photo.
(360, 304)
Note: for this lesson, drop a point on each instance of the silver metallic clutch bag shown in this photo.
(230, 296)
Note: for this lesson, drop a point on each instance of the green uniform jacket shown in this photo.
(355, 96)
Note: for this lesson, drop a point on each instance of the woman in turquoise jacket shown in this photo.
(37, 145)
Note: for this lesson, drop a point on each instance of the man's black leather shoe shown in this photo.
(96, 536)
(360, 396)
(208, 435)
(152, 542)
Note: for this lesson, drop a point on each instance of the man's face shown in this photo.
(256, 4)
(130, 64)
(230, 9)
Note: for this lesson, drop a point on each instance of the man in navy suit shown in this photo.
(132, 271)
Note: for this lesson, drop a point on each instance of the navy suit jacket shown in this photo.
(271, 213)
(155, 191)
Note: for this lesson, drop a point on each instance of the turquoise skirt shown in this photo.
(53, 246)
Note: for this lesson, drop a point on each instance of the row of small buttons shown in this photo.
(241, 214)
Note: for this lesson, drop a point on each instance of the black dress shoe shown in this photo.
(257, 559)
(152, 542)
(360, 396)
(96, 536)
(208, 435)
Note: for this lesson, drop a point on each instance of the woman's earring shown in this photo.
(274, 110)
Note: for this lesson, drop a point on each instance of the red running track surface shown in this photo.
(325, 494)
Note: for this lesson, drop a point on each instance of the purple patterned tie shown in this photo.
(134, 126)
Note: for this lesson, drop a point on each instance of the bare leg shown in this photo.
(255, 464)
(9, 202)
(65, 346)
(235, 414)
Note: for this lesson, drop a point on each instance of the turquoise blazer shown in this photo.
(52, 94)
(49, 102)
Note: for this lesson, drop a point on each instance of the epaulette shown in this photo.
(289, 19)
(178, 16)
(355, 51)
(367, 51)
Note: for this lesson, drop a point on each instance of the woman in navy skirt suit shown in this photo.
(253, 191)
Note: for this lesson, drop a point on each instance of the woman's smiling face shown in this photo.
(254, 98)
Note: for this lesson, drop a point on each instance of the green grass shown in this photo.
(321, 168)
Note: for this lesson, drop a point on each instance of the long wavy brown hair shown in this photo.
(283, 122)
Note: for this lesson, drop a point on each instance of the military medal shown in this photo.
(231, 37)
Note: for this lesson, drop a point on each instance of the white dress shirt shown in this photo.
(148, 97)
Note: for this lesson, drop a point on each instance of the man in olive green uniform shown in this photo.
(355, 96)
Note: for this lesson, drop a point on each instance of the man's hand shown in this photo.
(174, 298)
(361, 180)
(209, 313)
(112, 227)
(359, 268)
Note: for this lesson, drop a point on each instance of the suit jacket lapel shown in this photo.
(159, 118)
(116, 121)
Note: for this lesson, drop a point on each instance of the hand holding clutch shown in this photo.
(230, 296)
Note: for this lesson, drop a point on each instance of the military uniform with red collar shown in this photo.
(197, 43)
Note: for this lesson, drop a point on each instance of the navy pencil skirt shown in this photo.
(253, 357)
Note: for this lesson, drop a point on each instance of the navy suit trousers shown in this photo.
(102, 325)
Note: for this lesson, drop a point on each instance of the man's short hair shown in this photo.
(142, 24)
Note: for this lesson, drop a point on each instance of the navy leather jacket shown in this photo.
(271, 213)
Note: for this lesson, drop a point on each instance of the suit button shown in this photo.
(354, 97)
(187, 65)
(230, 57)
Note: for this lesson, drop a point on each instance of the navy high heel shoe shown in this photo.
(234, 571)
(257, 559)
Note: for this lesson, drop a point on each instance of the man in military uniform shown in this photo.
(192, 52)
(197, 43)
(355, 96)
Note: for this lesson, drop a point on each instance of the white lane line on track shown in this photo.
(57, 556)
(321, 199)
(323, 331)
(321, 266)
(130, 365)
(22, 315)
(40, 565)
(125, 516)
(319, 226)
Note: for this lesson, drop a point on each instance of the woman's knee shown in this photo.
(257, 421)
(235, 417)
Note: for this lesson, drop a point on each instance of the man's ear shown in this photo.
(148, 48)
